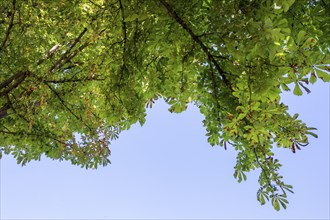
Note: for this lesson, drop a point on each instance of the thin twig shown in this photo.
(262, 168)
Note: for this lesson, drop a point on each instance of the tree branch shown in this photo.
(211, 58)
(123, 22)
(4, 110)
(32, 134)
(262, 168)
(49, 54)
(66, 107)
(67, 56)
(97, 5)
(19, 77)
(10, 26)
(124, 28)
(62, 101)
(10, 79)
(9, 104)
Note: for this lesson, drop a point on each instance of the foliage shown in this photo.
(76, 73)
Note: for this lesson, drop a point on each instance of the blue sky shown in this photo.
(166, 169)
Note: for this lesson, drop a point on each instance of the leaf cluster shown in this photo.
(74, 74)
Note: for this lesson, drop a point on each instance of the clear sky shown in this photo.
(167, 170)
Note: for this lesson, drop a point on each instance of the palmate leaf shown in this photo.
(92, 67)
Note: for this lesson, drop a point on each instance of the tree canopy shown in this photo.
(74, 74)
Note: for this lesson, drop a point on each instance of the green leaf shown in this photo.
(244, 176)
(301, 36)
(322, 74)
(240, 177)
(311, 133)
(288, 188)
(104, 72)
(276, 204)
(274, 92)
(261, 199)
(131, 17)
(311, 128)
(283, 204)
(297, 90)
(281, 23)
(313, 78)
(295, 116)
(268, 23)
(142, 120)
(304, 87)
(287, 4)
(285, 87)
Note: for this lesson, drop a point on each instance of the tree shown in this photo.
(74, 74)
